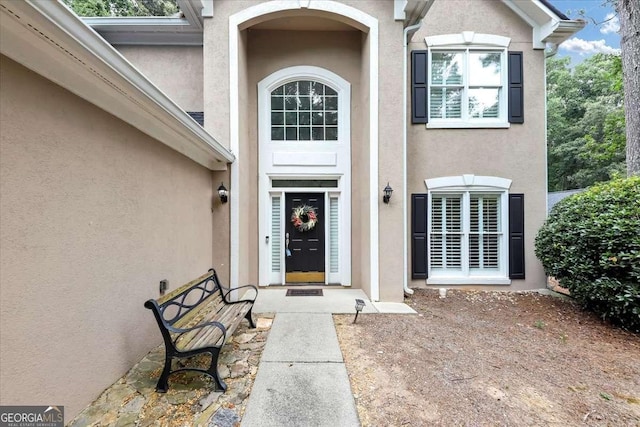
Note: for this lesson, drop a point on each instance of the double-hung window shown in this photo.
(468, 230)
(467, 80)
(467, 86)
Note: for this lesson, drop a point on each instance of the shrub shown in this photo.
(591, 243)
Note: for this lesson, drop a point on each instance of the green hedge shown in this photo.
(591, 243)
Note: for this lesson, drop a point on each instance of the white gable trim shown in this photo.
(360, 20)
(547, 27)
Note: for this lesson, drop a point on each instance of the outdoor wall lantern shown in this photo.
(387, 193)
(223, 193)
(359, 306)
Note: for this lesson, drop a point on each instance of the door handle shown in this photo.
(266, 239)
(286, 240)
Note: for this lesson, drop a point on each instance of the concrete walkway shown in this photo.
(302, 379)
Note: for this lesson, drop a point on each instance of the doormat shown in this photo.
(304, 292)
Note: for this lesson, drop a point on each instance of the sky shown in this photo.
(602, 37)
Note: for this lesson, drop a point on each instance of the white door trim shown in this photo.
(369, 23)
(304, 160)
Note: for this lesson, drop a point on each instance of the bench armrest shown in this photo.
(226, 291)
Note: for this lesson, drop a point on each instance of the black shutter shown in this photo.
(419, 86)
(516, 236)
(419, 206)
(516, 88)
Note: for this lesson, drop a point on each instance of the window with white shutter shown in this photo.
(467, 240)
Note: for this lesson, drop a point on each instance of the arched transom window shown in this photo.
(304, 111)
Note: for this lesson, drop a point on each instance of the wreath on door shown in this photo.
(304, 218)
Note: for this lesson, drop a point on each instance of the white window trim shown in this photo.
(469, 41)
(468, 184)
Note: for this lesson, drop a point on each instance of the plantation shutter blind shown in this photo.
(516, 236)
(453, 232)
(276, 244)
(484, 232)
(334, 236)
(419, 207)
(516, 88)
(419, 92)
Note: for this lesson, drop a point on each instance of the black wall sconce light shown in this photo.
(387, 193)
(223, 193)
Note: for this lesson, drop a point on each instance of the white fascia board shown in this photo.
(48, 38)
(415, 11)
(558, 31)
(398, 10)
(546, 26)
(192, 10)
(154, 30)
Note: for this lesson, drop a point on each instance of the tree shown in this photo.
(629, 15)
(586, 133)
(123, 7)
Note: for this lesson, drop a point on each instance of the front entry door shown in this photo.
(304, 243)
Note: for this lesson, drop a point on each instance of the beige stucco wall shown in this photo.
(345, 53)
(517, 153)
(93, 214)
(176, 70)
(337, 51)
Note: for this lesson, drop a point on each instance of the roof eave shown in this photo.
(155, 30)
(411, 12)
(49, 39)
(547, 23)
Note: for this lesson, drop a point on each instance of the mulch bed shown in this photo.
(491, 359)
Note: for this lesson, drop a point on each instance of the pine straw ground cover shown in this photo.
(491, 359)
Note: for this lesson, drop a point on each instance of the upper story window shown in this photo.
(467, 80)
(467, 85)
(304, 110)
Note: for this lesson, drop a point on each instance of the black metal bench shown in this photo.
(198, 318)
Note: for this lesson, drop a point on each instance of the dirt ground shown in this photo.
(491, 359)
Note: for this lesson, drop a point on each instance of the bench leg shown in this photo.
(163, 382)
(249, 317)
(213, 370)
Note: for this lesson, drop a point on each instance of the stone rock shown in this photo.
(244, 338)
(126, 420)
(224, 371)
(119, 393)
(251, 346)
(254, 360)
(239, 369)
(144, 385)
(264, 323)
(224, 418)
(179, 398)
(134, 405)
(208, 400)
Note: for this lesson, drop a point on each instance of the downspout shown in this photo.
(405, 202)
(553, 49)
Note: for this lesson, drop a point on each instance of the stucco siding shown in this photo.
(517, 153)
(176, 70)
(93, 215)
